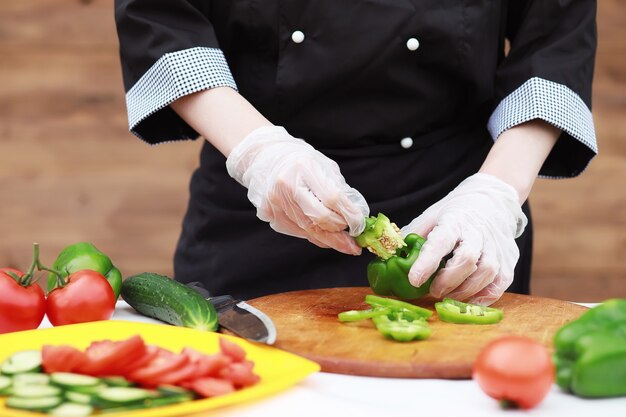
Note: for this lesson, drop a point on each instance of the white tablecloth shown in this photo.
(331, 395)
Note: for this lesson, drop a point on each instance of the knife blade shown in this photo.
(240, 317)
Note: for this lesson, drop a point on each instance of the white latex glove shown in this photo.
(479, 220)
(298, 190)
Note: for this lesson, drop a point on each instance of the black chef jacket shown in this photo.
(406, 96)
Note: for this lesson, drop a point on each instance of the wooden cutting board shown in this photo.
(307, 325)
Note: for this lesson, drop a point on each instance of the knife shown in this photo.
(240, 317)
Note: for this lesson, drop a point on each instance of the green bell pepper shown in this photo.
(391, 276)
(590, 352)
(453, 311)
(81, 256)
(401, 329)
(394, 319)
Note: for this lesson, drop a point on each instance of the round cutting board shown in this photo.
(307, 325)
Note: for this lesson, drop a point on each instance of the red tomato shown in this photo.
(22, 308)
(240, 374)
(62, 358)
(515, 370)
(233, 350)
(107, 358)
(188, 371)
(149, 354)
(163, 363)
(210, 387)
(207, 365)
(87, 296)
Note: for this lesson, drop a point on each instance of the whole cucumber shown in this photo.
(164, 299)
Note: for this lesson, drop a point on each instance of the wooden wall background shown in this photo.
(70, 171)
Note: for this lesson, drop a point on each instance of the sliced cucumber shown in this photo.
(72, 410)
(117, 381)
(124, 395)
(78, 397)
(5, 383)
(34, 404)
(22, 362)
(90, 390)
(170, 390)
(70, 381)
(31, 379)
(36, 391)
(147, 403)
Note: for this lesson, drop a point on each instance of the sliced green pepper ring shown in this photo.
(358, 315)
(453, 311)
(402, 330)
(397, 305)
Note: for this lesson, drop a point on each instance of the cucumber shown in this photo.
(22, 362)
(90, 390)
(162, 298)
(123, 395)
(34, 404)
(172, 390)
(71, 381)
(31, 379)
(71, 410)
(78, 397)
(36, 391)
(117, 381)
(5, 383)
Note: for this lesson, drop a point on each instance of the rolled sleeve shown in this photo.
(173, 76)
(558, 105)
(547, 74)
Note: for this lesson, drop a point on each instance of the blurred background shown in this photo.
(70, 171)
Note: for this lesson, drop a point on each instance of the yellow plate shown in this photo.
(277, 369)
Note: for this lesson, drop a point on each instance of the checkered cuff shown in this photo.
(173, 76)
(558, 105)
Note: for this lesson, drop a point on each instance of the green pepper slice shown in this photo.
(453, 311)
(358, 315)
(402, 330)
(397, 305)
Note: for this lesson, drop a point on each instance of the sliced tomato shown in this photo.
(232, 350)
(62, 358)
(207, 365)
(240, 374)
(188, 371)
(107, 357)
(211, 387)
(163, 363)
(150, 353)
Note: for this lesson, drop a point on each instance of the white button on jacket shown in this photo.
(412, 44)
(406, 143)
(297, 36)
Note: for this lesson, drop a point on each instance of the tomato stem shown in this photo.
(508, 405)
(41, 267)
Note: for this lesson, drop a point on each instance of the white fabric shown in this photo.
(552, 102)
(479, 220)
(298, 190)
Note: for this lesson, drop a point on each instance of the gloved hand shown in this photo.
(479, 219)
(298, 190)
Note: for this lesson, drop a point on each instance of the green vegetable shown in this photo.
(394, 319)
(391, 276)
(162, 298)
(380, 236)
(397, 306)
(590, 352)
(453, 311)
(401, 329)
(81, 256)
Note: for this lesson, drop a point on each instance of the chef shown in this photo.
(317, 113)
